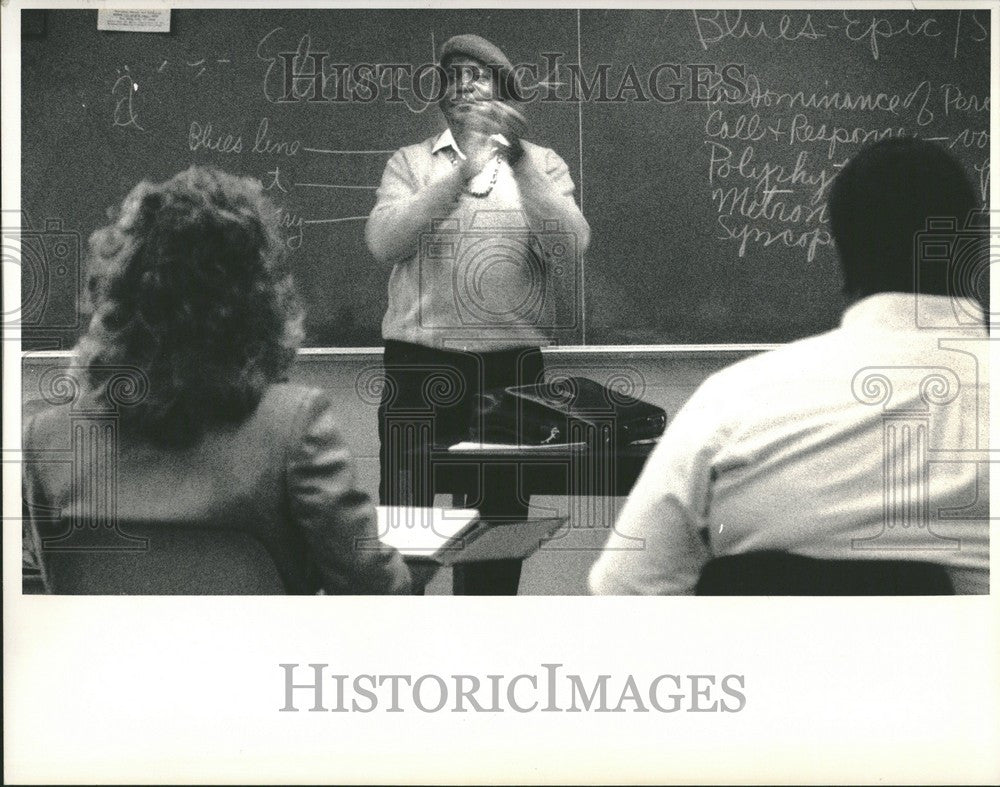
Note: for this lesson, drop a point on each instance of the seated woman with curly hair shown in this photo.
(191, 301)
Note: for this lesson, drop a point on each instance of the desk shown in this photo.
(568, 472)
(582, 471)
(429, 538)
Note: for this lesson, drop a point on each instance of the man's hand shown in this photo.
(479, 149)
(514, 128)
(492, 117)
(480, 121)
(511, 123)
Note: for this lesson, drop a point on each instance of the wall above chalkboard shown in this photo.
(703, 144)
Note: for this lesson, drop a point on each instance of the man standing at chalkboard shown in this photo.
(481, 230)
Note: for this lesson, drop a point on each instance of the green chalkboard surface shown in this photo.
(702, 143)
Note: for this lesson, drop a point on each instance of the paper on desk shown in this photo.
(515, 448)
(424, 531)
(449, 536)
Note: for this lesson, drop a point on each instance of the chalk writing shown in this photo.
(204, 63)
(879, 28)
(337, 219)
(744, 202)
(744, 234)
(124, 90)
(771, 196)
(296, 71)
(982, 170)
(203, 137)
(765, 196)
(264, 144)
(746, 127)
(978, 32)
(757, 96)
(270, 49)
(291, 224)
(275, 181)
(970, 138)
(802, 130)
(337, 186)
(766, 175)
(714, 26)
(873, 31)
(957, 101)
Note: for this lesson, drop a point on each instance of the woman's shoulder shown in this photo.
(283, 399)
(40, 420)
(289, 408)
(285, 393)
(283, 411)
(299, 421)
(47, 417)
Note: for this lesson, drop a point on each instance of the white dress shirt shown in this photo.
(859, 443)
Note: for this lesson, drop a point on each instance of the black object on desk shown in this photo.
(565, 410)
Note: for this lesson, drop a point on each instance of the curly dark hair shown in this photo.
(189, 284)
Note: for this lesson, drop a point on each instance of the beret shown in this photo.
(476, 47)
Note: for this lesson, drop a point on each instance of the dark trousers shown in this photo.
(430, 398)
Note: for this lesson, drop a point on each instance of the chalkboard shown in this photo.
(705, 200)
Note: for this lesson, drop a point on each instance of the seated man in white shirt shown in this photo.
(859, 443)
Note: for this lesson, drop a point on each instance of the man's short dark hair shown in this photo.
(880, 201)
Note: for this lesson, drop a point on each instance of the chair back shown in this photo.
(179, 560)
(783, 574)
